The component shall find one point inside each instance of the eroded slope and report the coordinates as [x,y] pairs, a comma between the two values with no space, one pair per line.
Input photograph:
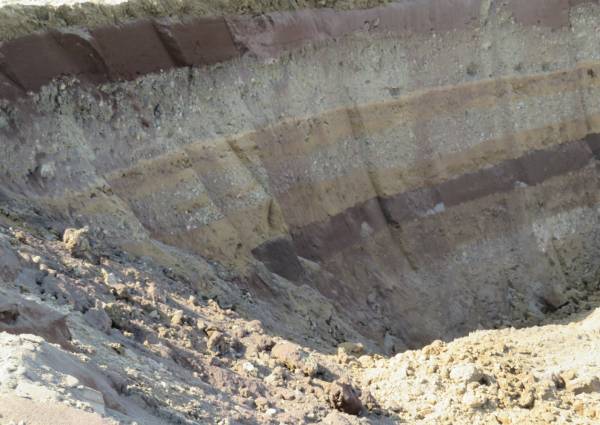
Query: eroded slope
[390,176]
[426,173]
[89,335]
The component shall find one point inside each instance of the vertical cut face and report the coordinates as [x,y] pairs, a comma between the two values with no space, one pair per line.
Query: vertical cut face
[424,168]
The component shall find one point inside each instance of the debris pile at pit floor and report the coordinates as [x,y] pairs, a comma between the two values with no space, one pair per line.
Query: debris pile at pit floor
[139,346]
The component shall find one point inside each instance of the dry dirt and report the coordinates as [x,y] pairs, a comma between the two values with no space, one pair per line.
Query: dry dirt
[150,351]
[253,241]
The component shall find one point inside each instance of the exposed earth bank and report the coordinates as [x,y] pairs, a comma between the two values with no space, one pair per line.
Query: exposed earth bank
[122,341]
[216,216]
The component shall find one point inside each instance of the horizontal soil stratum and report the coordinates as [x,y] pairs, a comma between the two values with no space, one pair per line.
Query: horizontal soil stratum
[284,212]
[18,18]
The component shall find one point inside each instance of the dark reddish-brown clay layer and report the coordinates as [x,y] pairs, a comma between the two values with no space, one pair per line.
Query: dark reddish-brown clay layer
[319,240]
[127,51]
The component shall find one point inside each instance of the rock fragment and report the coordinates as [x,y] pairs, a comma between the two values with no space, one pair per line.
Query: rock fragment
[473,400]
[261,403]
[288,354]
[119,314]
[352,348]
[21,316]
[584,385]
[97,318]
[344,398]
[293,358]
[465,373]
[110,279]
[78,244]
[177,318]
[155,293]
[310,366]
[258,343]
[277,376]
[117,347]
[122,293]
[527,399]
[217,343]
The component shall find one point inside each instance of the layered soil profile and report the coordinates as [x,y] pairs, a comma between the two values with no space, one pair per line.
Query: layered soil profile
[425,167]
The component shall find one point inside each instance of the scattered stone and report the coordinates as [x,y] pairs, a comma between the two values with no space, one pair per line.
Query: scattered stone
[109,278]
[21,316]
[503,418]
[78,244]
[554,298]
[589,384]
[119,315]
[546,390]
[352,348]
[238,332]
[366,361]
[155,293]
[370,402]
[559,382]
[343,398]
[261,403]
[473,400]
[253,327]
[47,170]
[527,399]
[97,318]
[121,292]
[466,373]
[248,367]
[258,343]
[435,348]
[568,375]
[310,366]
[177,318]
[20,236]
[217,343]
[201,325]
[288,354]
[237,346]
[276,377]
[117,347]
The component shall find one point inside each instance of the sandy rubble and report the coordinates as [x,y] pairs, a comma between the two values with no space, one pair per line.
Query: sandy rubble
[148,351]
[536,375]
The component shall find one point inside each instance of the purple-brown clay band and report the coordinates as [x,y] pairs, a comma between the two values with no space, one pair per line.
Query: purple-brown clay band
[317,241]
[131,50]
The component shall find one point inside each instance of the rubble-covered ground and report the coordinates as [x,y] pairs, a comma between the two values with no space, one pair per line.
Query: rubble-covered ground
[91,335]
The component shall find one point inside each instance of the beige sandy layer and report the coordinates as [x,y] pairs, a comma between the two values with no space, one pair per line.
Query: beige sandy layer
[38,412]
